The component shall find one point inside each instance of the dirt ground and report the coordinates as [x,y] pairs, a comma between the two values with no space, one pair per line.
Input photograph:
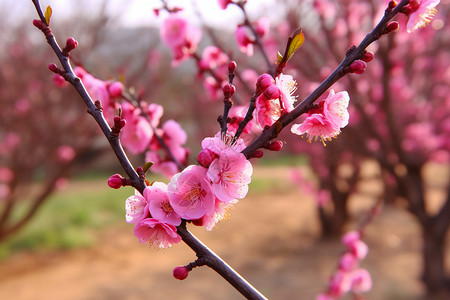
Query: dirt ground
[271,239]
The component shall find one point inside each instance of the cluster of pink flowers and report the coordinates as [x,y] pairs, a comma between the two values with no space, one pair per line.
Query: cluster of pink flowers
[276,98]
[213,60]
[325,121]
[180,36]
[349,276]
[138,135]
[200,193]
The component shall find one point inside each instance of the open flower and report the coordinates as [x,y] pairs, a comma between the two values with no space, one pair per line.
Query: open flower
[422,11]
[159,206]
[136,208]
[190,193]
[230,175]
[325,121]
[156,233]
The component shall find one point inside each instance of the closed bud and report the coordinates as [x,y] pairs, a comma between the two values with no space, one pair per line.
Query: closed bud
[358,67]
[232,66]
[180,273]
[115,181]
[54,68]
[390,27]
[257,154]
[392,4]
[228,90]
[205,158]
[71,44]
[264,81]
[273,146]
[39,24]
[272,92]
[368,56]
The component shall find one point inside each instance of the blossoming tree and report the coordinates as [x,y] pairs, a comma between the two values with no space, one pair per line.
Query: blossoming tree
[202,194]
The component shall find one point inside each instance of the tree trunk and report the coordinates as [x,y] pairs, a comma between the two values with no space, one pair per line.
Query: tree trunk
[434,276]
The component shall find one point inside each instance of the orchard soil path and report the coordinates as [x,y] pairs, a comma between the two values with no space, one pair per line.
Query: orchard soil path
[271,239]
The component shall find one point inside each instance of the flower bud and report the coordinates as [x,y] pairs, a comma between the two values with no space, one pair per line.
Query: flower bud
[263,81]
[228,90]
[272,92]
[115,89]
[390,27]
[368,56]
[358,67]
[54,68]
[180,273]
[232,66]
[71,44]
[39,24]
[115,181]
[392,4]
[257,154]
[205,158]
[273,145]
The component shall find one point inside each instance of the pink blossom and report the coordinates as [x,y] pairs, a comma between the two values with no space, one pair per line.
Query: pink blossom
[137,133]
[165,167]
[267,111]
[244,39]
[287,86]
[180,36]
[190,193]
[361,281]
[262,26]
[155,112]
[217,145]
[230,175]
[160,207]
[173,133]
[316,126]
[236,115]
[335,108]
[213,58]
[422,11]
[59,81]
[156,233]
[136,208]
[220,213]
[98,90]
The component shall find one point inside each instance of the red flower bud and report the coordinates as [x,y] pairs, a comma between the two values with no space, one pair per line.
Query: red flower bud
[368,56]
[71,44]
[54,68]
[272,92]
[205,158]
[264,81]
[358,67]
[257,154]
[274,145]
[180,273]
[228,90]
[232,66]
[39,24]
[115,181]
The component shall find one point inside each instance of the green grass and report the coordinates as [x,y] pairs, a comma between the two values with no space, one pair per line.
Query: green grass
[70,218]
